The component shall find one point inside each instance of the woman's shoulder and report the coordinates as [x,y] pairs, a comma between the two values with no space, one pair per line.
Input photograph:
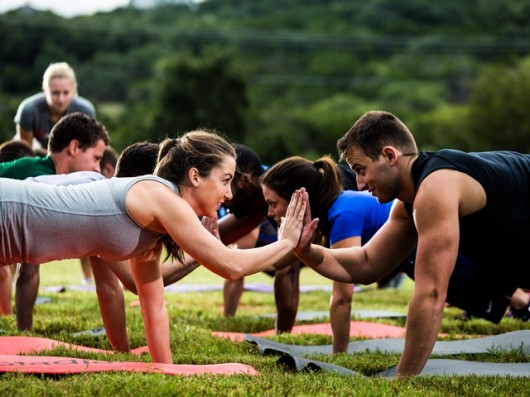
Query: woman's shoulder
[150,181]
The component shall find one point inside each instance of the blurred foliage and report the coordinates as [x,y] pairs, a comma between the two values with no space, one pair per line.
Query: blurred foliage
[286,77]
[498,108]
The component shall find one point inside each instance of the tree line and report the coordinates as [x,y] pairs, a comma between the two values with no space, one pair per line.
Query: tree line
[286,77]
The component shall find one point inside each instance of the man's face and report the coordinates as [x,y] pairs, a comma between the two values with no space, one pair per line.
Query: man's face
[59,94]
[88,159]
[377,177]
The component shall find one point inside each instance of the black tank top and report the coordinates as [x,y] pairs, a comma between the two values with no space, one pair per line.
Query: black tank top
[499,234]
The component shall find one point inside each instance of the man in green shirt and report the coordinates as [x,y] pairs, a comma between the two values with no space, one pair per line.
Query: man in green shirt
[77,143]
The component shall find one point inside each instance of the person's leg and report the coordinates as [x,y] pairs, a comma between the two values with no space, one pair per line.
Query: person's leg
[87,271]
[340,315]
[27,288]
[111,303]
[286,296]
[6,290]
[232,291]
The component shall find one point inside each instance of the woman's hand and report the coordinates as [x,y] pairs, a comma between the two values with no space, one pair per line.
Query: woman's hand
[309,229]
[293,222]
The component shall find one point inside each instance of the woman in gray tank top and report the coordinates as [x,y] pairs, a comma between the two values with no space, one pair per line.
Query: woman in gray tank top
[135,218]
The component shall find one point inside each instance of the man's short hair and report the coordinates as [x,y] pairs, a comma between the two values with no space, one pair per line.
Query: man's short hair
[137,159]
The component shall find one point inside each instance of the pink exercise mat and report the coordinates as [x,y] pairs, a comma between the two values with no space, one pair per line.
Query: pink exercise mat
[11,361]
[357,328]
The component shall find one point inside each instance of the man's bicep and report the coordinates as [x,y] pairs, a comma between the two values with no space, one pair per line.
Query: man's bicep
[437,222]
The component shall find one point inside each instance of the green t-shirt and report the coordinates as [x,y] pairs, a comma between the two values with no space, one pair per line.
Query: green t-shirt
[26,167]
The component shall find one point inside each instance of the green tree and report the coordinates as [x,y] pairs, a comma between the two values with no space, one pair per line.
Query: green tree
[498,108]
[8,109]
[444,127]
[206,91]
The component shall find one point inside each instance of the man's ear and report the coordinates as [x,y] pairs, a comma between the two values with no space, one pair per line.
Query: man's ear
[389,154]
[193,175]
[73,147]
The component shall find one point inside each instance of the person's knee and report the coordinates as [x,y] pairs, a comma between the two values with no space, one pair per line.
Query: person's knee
[28,272]
[343,300]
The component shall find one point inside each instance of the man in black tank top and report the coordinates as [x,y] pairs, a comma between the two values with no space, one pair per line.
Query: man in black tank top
[467,215]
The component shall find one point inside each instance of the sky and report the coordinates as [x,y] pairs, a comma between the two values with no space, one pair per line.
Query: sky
[65,8]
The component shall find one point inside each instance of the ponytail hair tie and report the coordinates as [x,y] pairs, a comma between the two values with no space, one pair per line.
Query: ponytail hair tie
[318,166]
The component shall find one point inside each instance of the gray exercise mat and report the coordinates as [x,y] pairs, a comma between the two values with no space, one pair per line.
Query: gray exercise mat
[42,299]
[461,368]
[302,364]
[269,288]
[358,314]
[503,342]
[100,331]
[442,367]
[192,288]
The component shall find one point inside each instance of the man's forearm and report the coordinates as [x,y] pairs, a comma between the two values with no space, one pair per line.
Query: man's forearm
[423,323]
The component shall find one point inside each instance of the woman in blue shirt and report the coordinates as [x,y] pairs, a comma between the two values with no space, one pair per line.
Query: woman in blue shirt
[347,218]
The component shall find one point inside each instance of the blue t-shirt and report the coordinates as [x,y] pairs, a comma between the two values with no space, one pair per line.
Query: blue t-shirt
[356,214]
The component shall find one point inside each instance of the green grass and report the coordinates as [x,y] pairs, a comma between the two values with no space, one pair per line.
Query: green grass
[193,317]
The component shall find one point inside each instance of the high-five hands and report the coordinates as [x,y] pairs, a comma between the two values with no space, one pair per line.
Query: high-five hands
[293,222]
[310,226]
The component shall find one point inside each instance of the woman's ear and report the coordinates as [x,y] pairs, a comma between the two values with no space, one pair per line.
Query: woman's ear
[193,175]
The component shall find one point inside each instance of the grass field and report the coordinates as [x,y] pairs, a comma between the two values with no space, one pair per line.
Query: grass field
[194,315]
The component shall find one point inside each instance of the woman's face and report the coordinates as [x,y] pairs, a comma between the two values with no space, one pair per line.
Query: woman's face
[59,94]
[277,206]
[211,192]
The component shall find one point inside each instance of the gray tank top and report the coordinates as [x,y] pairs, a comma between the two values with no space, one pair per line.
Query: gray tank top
[40,223]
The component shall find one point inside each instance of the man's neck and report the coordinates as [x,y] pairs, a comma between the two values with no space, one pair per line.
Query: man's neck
[59,160]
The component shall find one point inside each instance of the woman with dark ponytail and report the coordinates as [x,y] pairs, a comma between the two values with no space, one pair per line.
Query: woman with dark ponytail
[347,218]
